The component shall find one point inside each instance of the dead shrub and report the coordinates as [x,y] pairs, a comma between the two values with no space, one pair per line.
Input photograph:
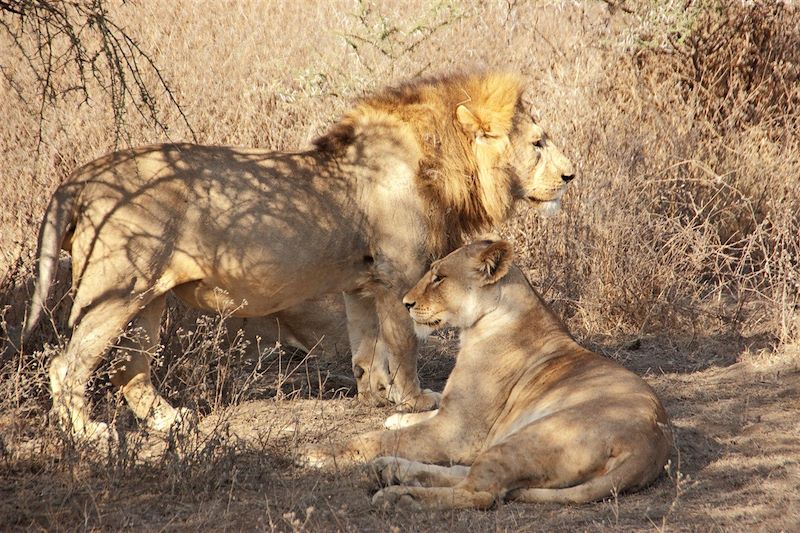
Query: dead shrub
[686,219]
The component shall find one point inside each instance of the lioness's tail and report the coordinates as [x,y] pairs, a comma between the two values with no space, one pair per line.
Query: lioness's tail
[58,220]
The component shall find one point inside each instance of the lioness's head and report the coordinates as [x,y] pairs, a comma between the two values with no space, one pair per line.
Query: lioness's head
[460,288]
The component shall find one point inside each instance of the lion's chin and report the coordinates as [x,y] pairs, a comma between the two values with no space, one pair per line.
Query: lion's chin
[547,208]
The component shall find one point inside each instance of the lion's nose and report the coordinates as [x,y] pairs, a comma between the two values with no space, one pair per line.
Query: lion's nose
[409,305]
[568,177]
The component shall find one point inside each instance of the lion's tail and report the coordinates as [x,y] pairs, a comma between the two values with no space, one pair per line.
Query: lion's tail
[59,219]
[625,474]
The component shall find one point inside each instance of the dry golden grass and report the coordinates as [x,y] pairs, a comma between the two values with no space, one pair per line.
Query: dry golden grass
[677,252]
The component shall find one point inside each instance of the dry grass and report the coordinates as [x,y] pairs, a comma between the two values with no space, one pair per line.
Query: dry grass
[677,252]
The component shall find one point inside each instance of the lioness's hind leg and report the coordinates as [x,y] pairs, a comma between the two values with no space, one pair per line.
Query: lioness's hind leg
[432,498]
[399,471]
[403,420]
[130,369]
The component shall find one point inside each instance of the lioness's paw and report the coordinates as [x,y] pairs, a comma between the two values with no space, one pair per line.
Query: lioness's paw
[395,497]
[390,470]
[396,421]
[427,400]
[404,420]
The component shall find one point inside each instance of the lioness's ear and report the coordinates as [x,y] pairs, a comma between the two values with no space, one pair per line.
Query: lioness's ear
[495,260]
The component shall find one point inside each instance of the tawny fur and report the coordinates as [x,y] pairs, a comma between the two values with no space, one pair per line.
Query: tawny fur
[526,414]
[402,178]
[448,168]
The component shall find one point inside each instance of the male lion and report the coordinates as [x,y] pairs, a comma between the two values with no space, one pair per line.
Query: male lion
[402,178]
[526,414]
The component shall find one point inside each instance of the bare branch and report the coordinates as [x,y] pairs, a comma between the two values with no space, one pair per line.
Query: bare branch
[78,37]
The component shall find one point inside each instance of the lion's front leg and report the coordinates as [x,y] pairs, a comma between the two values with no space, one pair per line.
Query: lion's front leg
[370,361]
[384,350]
[397,337]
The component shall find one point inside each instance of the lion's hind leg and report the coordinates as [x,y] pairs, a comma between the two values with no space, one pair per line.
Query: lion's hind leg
[560,458]
[99,325]
[420,485]
[130,370]
[493,472]
[628,465]
[398,471]
[487,480]
[594,489]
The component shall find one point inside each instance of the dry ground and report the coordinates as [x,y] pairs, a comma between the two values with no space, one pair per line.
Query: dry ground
[677,253]
[734,467]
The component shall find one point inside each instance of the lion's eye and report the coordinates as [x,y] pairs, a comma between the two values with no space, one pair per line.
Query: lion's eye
[436,279]
[539,143]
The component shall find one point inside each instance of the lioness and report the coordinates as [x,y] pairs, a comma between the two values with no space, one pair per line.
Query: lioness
[526,414]
[402,178]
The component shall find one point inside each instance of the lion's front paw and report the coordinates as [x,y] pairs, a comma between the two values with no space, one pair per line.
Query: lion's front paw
[373,399]
[391,470]
[96,433]
[167,418]
[426,400]
[396,497]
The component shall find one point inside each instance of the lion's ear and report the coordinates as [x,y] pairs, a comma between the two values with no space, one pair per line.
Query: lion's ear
[476,128]
[495,261]
[468,121]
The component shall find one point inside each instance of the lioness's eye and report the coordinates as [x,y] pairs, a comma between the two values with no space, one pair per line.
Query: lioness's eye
[539,143]
[436,279]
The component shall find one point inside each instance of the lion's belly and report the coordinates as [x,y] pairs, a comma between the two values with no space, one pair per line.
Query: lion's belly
[265,288]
